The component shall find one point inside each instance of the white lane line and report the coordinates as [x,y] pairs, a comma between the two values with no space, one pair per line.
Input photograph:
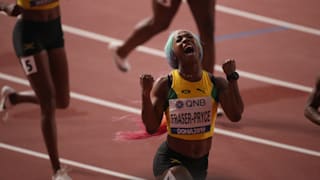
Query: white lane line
[275,81]
[69,162]
[264,19]
[160,53]
[137,111]
[102,38]
[105,103]
[267,142]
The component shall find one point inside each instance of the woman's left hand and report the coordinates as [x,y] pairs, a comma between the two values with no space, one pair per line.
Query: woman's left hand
[229,66]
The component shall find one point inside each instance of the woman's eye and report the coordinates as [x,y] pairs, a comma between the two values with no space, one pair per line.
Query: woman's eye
[189,36]
[178,39]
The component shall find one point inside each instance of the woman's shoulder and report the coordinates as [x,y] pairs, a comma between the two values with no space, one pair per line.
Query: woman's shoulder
[164,80]
[218,81]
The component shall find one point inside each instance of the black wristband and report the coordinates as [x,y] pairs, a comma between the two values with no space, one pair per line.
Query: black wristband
[233,76]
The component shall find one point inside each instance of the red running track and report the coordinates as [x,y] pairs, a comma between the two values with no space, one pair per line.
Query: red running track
[276,45]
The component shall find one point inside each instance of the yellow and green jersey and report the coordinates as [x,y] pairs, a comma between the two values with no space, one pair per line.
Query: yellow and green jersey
[192,107]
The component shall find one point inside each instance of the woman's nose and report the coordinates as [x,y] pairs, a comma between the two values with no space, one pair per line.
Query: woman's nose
[185,39]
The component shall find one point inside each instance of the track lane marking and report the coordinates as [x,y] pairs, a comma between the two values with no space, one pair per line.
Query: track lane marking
[160,53]
[69,162]
[268,20]
[228,10]
[117,106]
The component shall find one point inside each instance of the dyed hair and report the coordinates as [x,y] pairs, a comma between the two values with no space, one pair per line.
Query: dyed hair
[168,49]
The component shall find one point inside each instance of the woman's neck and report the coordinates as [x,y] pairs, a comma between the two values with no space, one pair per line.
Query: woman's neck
[191,74]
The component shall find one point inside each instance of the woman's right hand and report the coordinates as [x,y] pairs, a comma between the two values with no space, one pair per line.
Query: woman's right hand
[146,83]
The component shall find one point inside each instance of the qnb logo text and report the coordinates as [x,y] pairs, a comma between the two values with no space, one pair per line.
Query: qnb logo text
[191,103]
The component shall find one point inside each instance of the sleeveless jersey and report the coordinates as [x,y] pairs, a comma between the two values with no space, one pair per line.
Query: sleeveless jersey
[192,107]
[38,4]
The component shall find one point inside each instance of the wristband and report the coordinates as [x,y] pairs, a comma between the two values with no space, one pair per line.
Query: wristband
[233,76]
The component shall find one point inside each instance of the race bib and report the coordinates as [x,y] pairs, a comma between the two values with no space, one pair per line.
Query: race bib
[190,116]
[28,65]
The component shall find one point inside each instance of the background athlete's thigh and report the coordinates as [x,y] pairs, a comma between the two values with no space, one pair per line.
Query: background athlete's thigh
[164,13]
[36,68]
[60,76]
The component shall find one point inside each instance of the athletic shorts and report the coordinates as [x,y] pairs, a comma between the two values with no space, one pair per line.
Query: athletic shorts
[31,37]
[166,158]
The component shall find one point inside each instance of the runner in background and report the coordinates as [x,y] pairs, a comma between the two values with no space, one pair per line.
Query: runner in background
[163,13]
[311,110]
[39,45]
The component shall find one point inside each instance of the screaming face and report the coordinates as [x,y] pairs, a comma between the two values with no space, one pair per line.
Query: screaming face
[188,50]
[185,44]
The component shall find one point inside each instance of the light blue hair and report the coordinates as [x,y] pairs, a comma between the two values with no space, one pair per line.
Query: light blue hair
[168,49]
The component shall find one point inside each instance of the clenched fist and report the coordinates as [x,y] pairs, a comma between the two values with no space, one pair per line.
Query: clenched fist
[146,83]
[229,66]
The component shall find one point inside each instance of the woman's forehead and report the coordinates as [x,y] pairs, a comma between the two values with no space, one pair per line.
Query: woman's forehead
[182,32]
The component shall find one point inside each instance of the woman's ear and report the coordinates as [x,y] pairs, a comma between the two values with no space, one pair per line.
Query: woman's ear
[174,61]
[175,57]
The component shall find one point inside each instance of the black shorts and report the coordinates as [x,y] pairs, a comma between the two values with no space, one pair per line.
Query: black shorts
[166,158]
[31,37]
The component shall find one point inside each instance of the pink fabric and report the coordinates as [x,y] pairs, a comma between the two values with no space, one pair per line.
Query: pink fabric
[142,133]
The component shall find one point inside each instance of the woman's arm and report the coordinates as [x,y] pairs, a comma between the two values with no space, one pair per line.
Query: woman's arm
[153,101]
[229,94]
[311,109]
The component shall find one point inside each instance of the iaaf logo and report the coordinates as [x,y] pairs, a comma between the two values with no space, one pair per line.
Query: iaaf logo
[190,103]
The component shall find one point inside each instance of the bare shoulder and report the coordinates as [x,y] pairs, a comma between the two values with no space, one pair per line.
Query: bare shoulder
[220,82]
[161,86]
[162,81]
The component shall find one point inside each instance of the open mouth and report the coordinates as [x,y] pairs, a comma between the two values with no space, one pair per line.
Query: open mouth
[188,50]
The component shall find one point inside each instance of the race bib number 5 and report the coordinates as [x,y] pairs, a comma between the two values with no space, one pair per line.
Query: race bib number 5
[28,65]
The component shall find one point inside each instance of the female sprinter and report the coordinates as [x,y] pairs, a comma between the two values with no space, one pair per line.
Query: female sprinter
[189,97]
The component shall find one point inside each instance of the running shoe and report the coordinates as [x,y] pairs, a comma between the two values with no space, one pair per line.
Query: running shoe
[122,63]
[220,112]
[5,103]
[61,174]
